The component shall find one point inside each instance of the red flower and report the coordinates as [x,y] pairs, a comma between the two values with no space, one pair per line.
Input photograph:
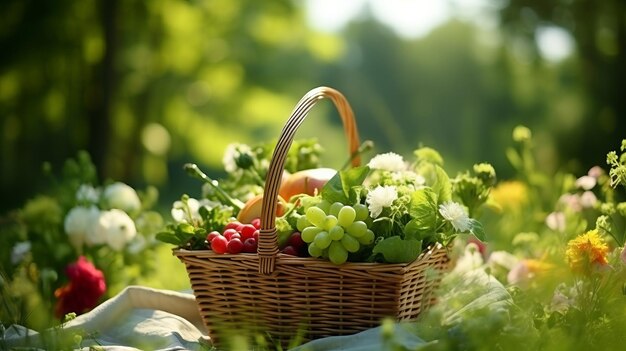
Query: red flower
[81,294]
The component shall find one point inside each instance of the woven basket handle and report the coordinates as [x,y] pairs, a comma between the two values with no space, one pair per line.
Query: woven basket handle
[268,238]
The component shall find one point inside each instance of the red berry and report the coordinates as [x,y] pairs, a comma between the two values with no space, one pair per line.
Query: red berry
[256,223]
[256,235]
[249,245]
[289,250]
[235,246]
[212,235]
[247,231]
[218,244]
[235,236]
[229,232]
[240,227]
[232,225]
[296,241]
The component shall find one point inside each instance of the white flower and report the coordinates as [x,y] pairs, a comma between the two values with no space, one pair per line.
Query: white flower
[560,302]
[457,215]
[115,228]
[121,196]
[470,260]
[19,251]
[87,193]
[136,245]
[381,196]
[79,223]
[178,210]
[387,162]
[408,177]
[419,180]
[232,153]
[503,259]
[180,215]
[556,221]
[586,182]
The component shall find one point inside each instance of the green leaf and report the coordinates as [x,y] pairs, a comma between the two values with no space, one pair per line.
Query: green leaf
[168,237]
[470,294]
[514,158]
[442,186]
[397,250]
[423,210]
[478,230]
[412,230]
[337,189]
[186,228]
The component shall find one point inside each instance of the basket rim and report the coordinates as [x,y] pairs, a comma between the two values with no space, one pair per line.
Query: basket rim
[289,259]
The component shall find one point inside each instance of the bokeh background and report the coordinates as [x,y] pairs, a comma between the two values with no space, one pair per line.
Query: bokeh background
[146,86]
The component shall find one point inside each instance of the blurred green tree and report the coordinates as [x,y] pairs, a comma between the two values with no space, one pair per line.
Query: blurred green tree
[599,31]
[141,84]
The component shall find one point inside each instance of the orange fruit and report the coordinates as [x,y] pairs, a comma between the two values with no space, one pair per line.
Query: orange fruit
[253,207]
[308,181]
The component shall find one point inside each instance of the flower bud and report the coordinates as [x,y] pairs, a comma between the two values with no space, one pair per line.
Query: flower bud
[486,173]
[521,134]
[244,160]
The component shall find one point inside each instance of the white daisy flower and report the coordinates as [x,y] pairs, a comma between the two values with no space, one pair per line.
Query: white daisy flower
[116,228]
[121,196]
[457,215]
[387,162]
[78,224]
[380,197]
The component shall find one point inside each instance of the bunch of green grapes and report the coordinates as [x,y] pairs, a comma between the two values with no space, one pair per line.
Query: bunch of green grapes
[332,231]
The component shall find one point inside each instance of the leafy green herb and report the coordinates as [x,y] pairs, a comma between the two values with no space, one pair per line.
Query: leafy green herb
[397,250]
[340,187]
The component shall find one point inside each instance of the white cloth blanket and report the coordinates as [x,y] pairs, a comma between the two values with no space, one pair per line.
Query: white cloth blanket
[141,318]
[138,318]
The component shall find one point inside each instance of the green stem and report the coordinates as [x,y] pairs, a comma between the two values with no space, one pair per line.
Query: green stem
[256,176]
[619,242]
[366,146]
[193,170]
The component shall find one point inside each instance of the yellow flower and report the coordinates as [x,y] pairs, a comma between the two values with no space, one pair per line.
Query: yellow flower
[586,250]
[510,195]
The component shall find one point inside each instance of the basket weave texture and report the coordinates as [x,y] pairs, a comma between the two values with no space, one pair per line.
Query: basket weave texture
[281,295]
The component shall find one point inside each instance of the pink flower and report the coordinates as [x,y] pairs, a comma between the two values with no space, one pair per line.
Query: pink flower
[85,288]
[586,182]
[526,270]
[588,199]
[595,171]
[571,201]
[556,221]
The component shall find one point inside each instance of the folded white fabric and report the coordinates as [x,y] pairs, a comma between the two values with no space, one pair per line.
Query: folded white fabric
[138,318]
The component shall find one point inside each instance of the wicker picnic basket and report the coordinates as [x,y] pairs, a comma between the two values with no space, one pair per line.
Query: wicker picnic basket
[281,295]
